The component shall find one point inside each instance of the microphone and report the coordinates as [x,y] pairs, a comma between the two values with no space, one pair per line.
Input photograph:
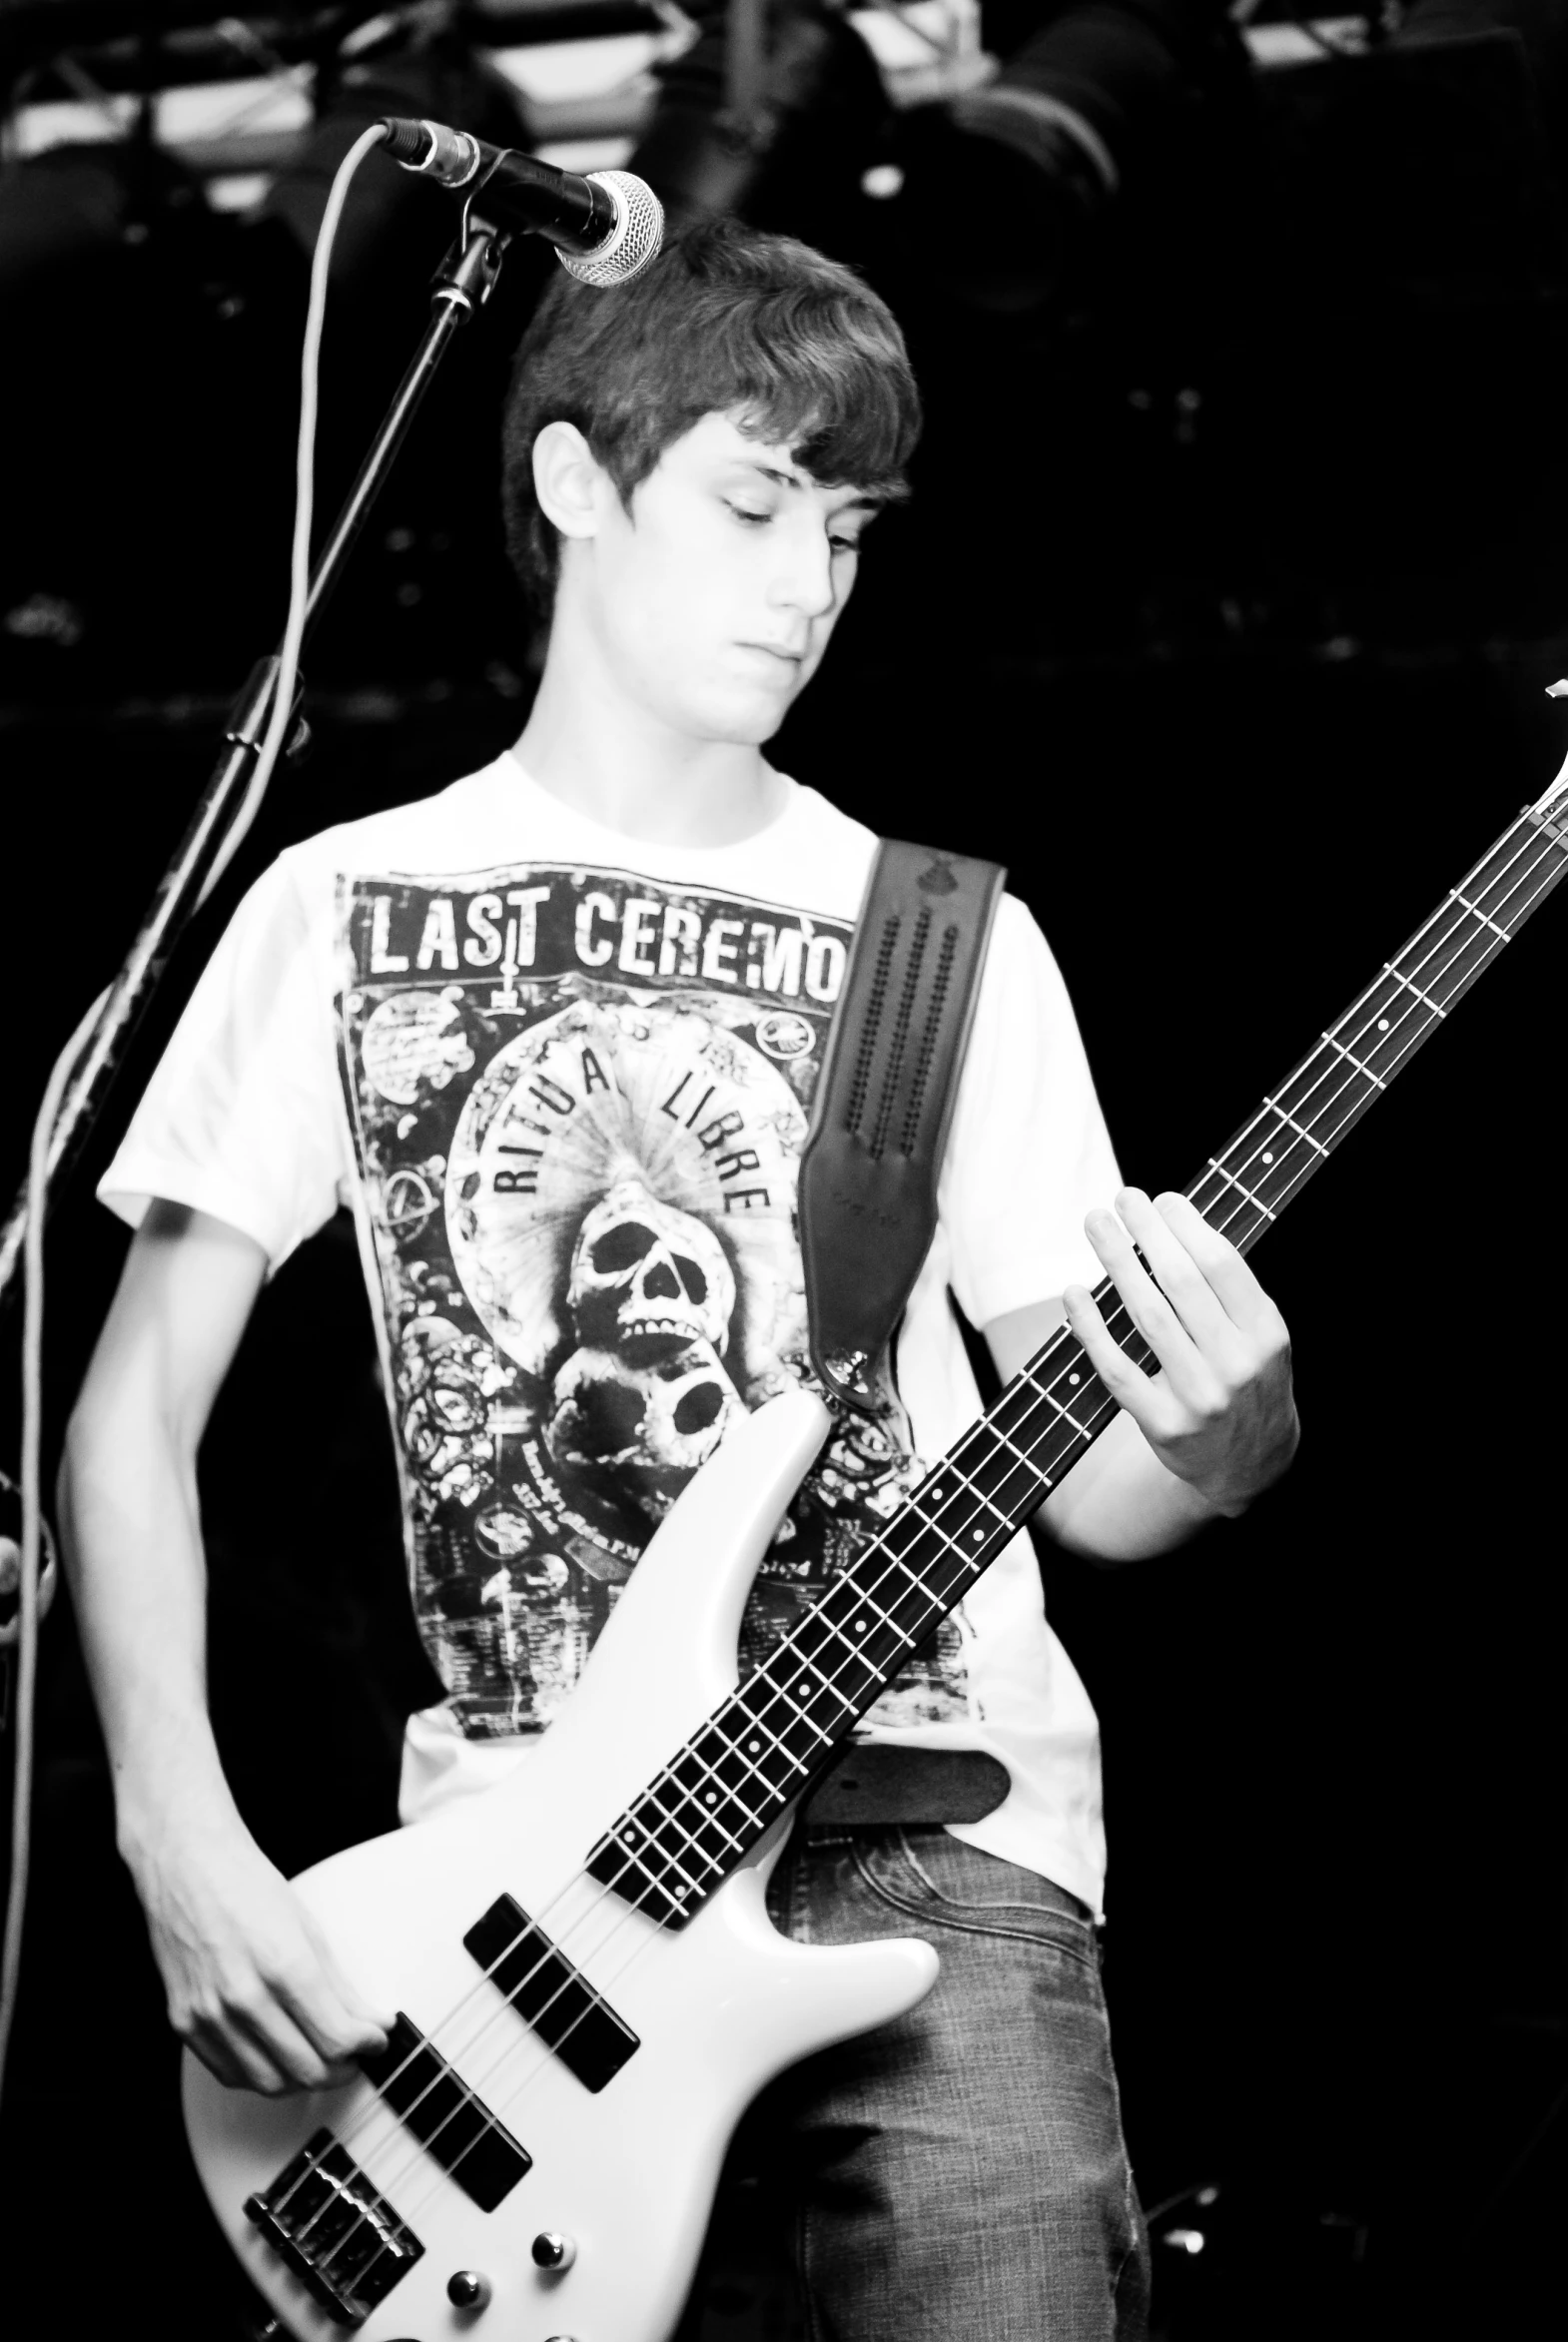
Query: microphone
[605,228]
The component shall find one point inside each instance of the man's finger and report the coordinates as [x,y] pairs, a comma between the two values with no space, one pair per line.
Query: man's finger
[219,2060]
[1153,1314]
[239,2059]
[1176,1268]
[372,2025]
[334,2032]
[1245,1300]
[297,2058]
[1127,1384]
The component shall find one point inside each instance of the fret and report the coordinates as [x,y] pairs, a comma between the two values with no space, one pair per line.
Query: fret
[1025,1375]
[983,1498]
[860,1599]
[1354,1060]
[635,1840]
[866,1578]
[731,1755]
[1339,1114]
[1332,1087]
[981,1467]
[1005,1477]
[1456,897]
[1299,1104]
[1033,1469]
[900,1565]
[829,1683]
[860,1668]
[756,1725]
[1231,1181]
[678,1841]
[1456,958]
[869,1645]
[1291,1124]
[817,1633]
[798,1713]
[944,1499]
[1425,997]
[691,1761]
[707,1827]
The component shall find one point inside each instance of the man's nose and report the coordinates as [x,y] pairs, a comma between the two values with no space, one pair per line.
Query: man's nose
[804,580]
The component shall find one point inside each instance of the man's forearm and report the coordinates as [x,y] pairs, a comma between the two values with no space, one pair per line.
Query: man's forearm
[252,1986]
[133,1555]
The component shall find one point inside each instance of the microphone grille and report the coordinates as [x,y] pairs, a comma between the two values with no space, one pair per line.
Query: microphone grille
[637,235]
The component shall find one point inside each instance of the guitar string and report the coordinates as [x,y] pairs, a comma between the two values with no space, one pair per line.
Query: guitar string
[1390,969]
[949,1466]
[829,1681]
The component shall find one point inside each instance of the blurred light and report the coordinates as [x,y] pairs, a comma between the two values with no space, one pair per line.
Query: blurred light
[881,181]
[1185,2239]
[1207,2196]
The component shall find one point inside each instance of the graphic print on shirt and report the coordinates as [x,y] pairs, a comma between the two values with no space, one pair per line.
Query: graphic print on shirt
[578,1102]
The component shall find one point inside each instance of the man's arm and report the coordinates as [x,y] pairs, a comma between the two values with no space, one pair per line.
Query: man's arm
[251,1986]
[1216,1426]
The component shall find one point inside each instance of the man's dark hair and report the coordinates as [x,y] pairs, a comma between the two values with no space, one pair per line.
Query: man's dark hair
[726,320]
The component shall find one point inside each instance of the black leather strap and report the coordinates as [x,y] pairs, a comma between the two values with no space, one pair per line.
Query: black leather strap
[868,1176]
[876,1783]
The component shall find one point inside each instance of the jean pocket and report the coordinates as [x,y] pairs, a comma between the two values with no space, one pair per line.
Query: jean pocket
[939,1882]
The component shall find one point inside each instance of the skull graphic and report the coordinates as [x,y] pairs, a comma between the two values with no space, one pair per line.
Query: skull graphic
[643,1272]
[644,1399]
[652,1424]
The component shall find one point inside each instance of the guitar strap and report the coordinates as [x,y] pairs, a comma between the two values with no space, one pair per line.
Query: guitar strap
[884,1101]
[868,1211]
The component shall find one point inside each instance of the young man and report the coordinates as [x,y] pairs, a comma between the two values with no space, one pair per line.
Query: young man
[553,1035]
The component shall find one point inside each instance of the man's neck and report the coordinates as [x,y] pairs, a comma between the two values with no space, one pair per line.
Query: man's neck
[607,760]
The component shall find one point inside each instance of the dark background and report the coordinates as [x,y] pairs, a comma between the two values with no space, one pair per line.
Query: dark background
[1223,614]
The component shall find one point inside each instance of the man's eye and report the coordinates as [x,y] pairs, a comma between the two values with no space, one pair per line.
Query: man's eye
[845,545]
[745,512]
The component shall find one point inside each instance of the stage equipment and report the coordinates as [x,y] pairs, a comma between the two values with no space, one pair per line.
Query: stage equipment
[605,228]
[772,114]
[1081,104]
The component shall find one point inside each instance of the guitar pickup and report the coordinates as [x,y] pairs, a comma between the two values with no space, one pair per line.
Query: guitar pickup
[552,1996]
[335,2229]
[430,2098]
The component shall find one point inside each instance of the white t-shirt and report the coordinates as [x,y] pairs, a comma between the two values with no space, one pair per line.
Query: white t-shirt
[562,1079]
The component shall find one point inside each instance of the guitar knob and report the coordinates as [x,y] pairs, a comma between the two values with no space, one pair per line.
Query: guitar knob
[551,2250]
[469,2289]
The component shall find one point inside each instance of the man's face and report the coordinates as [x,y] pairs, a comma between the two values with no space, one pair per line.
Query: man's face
[715,596]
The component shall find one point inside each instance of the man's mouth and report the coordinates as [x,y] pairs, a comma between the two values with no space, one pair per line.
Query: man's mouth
[777,650]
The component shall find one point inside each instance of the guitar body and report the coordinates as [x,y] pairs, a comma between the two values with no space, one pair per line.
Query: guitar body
[625,2172]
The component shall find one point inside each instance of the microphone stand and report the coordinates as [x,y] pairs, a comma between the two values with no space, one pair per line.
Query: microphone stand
[463,283]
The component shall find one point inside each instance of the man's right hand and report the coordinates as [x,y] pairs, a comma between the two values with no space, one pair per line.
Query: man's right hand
[252,1985]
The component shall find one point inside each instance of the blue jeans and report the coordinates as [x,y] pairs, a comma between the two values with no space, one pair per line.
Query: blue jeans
[961,2171]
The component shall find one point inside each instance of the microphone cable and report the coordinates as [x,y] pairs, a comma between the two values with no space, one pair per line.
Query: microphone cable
[35,1587]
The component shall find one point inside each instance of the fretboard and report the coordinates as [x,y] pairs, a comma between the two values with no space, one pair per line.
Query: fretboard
[763,1747]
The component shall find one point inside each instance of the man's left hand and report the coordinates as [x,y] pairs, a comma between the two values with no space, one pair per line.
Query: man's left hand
[1220,1413]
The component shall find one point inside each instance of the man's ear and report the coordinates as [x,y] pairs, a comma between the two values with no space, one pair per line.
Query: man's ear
[567,479]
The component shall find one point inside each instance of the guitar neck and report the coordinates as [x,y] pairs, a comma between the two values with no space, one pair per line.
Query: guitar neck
[760,1749]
